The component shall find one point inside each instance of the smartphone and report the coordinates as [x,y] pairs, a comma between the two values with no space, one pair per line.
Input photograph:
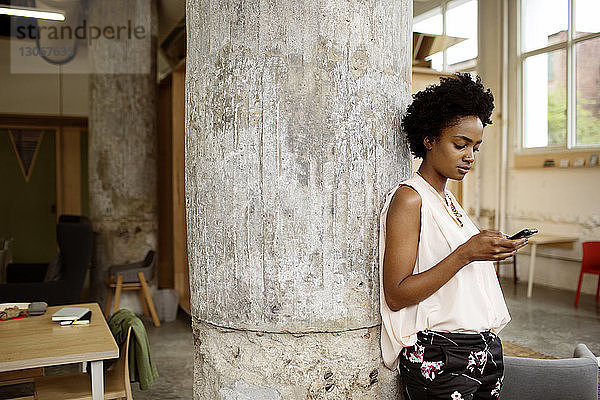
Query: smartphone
[525,233]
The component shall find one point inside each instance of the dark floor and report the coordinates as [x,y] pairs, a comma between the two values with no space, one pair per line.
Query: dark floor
[172,352]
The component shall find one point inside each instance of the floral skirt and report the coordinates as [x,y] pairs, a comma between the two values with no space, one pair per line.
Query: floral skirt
[452,366]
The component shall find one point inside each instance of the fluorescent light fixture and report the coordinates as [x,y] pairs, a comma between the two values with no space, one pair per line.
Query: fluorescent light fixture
[55,15]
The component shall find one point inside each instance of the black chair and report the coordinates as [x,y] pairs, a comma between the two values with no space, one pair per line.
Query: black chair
[75,241]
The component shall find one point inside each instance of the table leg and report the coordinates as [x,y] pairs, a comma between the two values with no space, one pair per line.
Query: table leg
[97,380]
[515,270]
[531,269]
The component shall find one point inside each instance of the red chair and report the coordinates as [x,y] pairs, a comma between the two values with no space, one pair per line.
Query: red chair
[590,264]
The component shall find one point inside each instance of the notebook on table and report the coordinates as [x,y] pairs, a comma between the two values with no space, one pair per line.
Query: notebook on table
[69,313]
[85,320]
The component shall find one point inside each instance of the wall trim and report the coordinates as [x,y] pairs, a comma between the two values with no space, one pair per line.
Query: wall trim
[42,121]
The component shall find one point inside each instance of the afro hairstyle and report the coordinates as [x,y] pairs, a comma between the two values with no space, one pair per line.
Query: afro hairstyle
[441,106]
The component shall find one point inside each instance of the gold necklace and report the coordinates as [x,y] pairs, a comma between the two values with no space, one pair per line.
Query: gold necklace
[457,215]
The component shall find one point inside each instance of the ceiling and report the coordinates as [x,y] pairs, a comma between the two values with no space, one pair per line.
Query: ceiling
[421,6]
[170,14]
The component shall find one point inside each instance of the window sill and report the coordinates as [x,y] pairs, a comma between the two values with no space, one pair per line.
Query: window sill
[537,159]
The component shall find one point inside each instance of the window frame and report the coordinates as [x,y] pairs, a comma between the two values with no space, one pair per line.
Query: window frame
[571,80]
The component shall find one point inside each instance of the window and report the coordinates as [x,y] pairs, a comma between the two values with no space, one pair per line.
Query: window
[560,72]
[457,18]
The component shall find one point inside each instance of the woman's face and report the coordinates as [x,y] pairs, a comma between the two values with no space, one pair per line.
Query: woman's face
[452,154]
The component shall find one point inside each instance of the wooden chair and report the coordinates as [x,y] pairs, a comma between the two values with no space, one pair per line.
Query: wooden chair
[590,264]
[79,387]
[133,277]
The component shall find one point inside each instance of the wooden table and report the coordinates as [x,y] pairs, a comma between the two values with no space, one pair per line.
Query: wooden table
[39,342]
[545,240]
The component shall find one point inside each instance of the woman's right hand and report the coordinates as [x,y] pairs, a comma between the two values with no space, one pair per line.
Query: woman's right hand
[490,246]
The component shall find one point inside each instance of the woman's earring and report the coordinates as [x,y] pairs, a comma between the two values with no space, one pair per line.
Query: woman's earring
[427,144]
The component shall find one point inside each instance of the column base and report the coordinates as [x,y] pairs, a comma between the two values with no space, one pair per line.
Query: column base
[234,364]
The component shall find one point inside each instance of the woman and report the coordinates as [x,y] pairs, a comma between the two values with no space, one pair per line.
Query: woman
[441,302]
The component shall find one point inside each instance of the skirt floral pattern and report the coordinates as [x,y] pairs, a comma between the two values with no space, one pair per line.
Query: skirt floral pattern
[452,366]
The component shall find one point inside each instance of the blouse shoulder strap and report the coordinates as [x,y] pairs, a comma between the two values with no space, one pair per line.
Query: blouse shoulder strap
[414,183]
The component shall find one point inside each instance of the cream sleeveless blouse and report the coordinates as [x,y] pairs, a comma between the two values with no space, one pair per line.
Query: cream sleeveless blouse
[470,302]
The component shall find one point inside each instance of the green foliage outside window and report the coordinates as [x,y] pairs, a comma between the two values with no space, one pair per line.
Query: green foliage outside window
[588,125]
[557,116]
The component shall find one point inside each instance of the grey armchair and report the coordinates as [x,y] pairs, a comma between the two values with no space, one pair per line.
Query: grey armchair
[569,378]
[130,271]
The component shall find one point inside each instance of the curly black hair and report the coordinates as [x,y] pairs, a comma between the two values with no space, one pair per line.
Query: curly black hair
[441,106]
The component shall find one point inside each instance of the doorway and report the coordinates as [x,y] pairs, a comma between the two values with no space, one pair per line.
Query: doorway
[28,198]
[43,174]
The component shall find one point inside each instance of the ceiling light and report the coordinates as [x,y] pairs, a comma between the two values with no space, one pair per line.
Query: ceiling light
[55,15]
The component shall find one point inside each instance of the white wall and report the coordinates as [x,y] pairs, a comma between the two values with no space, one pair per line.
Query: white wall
[556,201]
[39,93]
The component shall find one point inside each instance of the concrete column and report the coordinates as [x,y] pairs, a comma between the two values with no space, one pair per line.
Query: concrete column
[292,140]
[122,138]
